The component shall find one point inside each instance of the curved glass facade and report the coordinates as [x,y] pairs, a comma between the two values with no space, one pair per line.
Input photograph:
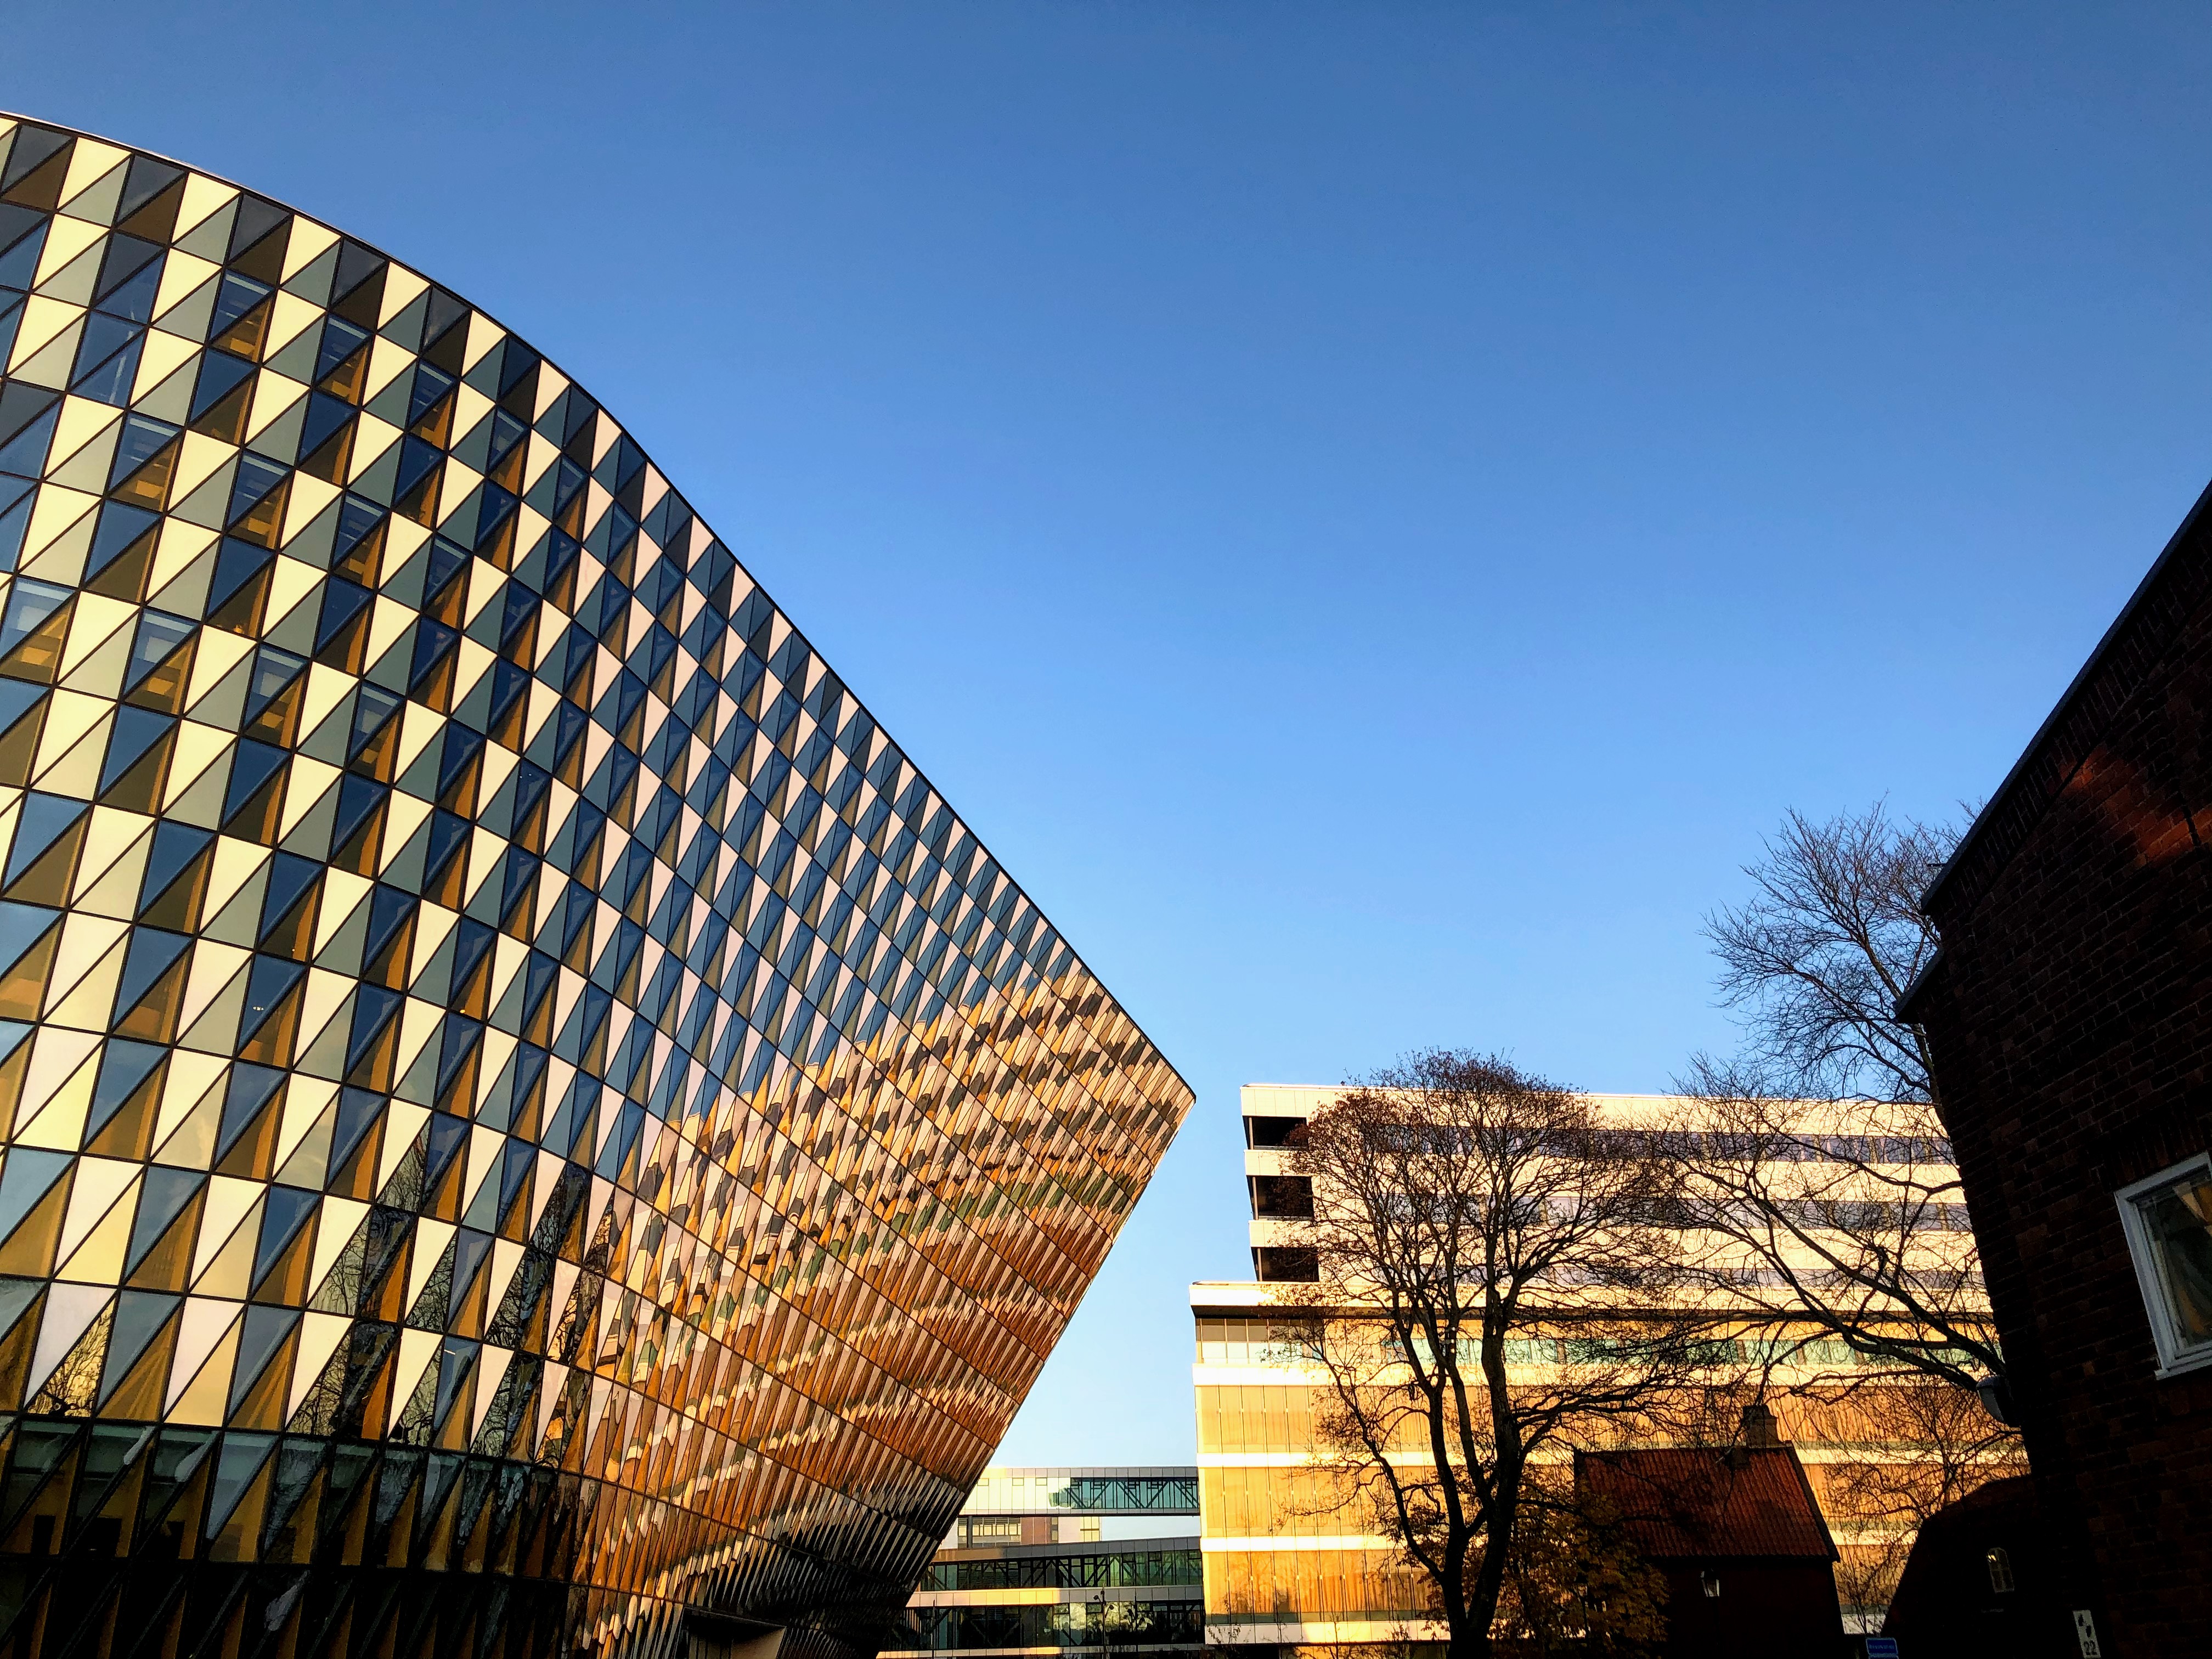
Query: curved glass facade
[529,1125]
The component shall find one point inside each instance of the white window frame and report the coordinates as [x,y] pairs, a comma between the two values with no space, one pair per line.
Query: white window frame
[2173,1358]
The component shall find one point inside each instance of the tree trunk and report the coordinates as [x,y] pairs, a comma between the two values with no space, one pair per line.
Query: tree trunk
[1504,1513]
[1490,1578]
[1461,1631]
[1465,1637]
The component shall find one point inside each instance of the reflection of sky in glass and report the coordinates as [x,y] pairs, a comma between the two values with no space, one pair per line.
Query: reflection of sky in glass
[2181,1221]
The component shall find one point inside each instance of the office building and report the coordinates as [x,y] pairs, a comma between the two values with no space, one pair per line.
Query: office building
[1049,1561]
[530,1127]
[2067,1013]
[1285,1569]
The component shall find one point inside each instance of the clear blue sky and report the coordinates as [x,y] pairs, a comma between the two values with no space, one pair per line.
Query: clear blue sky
[1371,510]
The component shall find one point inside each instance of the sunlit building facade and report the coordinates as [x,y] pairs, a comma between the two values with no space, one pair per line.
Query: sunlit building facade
[1050,1562]
[530,1127]
[1285,1569]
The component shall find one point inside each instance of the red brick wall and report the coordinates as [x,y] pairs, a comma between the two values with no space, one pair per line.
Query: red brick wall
[2070,1017]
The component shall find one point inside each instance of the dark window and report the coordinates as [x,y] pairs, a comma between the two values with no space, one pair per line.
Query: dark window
[1280,1264]
[1133,1566]
[1271,1131]
[1285,1197]
[1999,1562]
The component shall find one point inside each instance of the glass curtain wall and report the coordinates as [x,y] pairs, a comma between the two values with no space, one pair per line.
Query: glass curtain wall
[528,1120]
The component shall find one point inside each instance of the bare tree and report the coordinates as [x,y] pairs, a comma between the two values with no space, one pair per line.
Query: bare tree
[1922,1444]
[1815,961]
[1859,1238]
[1841,1229]
[1851,1222]
[1490,1286]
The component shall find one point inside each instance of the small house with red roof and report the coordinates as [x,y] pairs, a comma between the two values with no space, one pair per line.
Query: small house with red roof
[1749,1564]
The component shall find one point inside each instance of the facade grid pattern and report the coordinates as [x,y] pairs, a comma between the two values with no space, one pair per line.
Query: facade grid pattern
[523,1111]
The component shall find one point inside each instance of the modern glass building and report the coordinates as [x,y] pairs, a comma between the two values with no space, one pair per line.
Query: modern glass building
[1051,1562]
[529,1126]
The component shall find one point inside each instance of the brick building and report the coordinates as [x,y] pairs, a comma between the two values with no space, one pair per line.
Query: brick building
[1749,1564]
[1981,1581]
[2069,1013]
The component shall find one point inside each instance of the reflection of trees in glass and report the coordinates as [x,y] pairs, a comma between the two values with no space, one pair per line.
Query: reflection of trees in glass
[1128,1492]
[1061,1624]
[2180,1221]
[1107,1569]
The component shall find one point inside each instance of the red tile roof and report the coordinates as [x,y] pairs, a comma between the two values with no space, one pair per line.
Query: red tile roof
[1691,1501]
